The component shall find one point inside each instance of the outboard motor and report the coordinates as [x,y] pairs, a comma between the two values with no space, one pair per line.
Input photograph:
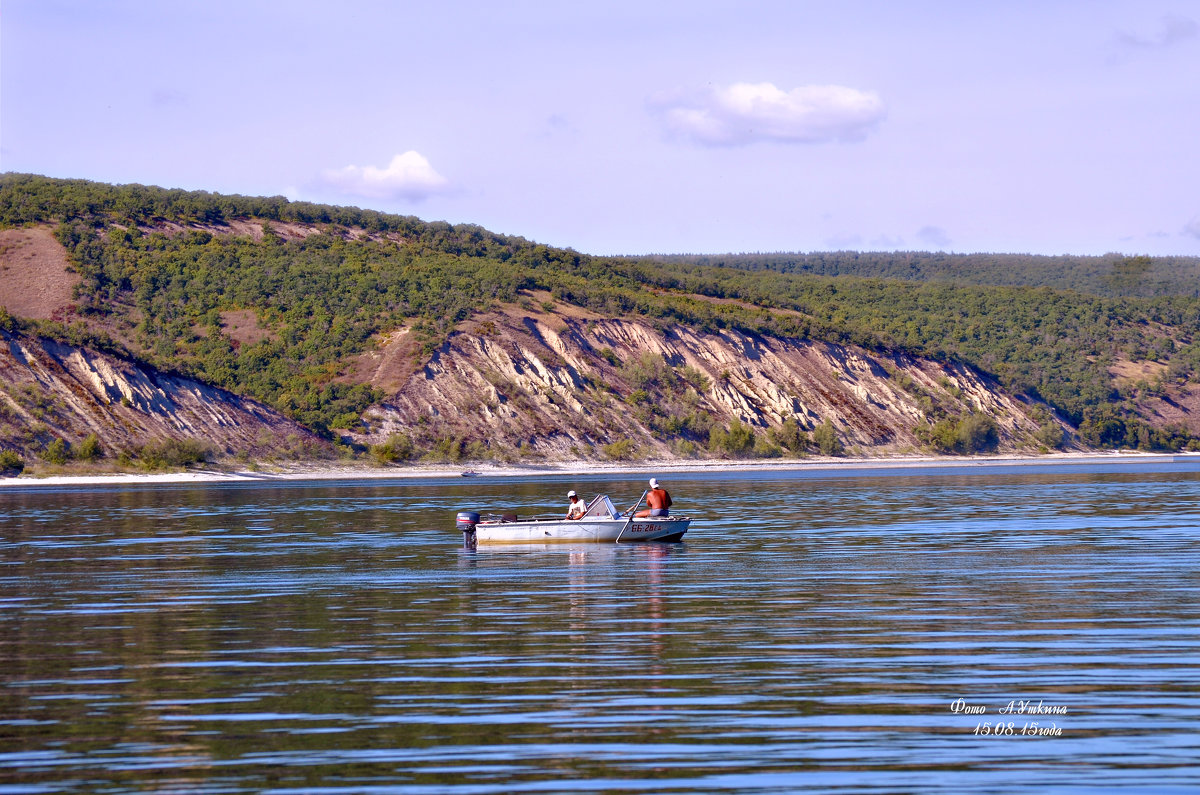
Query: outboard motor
[466,521]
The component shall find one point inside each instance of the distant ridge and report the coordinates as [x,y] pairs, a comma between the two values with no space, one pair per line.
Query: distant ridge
[1111,275]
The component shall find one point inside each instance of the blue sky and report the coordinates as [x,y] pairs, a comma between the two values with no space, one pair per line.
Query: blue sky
[640,127]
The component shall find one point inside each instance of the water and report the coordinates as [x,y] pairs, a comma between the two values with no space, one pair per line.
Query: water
[815,631]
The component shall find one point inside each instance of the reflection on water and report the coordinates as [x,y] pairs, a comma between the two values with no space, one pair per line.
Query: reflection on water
[813,631]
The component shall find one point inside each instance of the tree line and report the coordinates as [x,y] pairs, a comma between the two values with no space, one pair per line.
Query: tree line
[1112,275]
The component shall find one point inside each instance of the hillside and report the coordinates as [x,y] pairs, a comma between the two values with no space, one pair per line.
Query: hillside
[424,340]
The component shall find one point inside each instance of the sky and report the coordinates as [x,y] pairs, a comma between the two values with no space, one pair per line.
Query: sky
[614,127]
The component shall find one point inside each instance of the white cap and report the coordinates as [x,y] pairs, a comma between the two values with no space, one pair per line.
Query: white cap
[653,483]
[571,493]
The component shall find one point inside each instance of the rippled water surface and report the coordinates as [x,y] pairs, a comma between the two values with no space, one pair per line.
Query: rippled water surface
[815,631]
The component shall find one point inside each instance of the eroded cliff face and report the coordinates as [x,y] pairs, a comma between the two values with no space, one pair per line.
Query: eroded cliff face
[510,384]
[559,386]
[48,388]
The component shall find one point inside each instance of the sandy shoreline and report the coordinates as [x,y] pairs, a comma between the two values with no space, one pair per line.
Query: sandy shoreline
[589,468]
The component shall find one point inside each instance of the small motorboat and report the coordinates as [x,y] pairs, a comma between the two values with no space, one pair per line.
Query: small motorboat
[601,522]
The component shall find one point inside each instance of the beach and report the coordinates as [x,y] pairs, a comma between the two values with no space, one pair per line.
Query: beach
[557,469]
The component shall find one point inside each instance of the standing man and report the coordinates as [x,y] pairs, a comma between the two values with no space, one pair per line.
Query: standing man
[577,507]
[658,499]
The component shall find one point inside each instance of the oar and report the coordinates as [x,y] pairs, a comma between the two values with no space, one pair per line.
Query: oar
[630,520]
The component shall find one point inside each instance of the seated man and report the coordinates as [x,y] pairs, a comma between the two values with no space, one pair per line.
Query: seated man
[577,507]
[658,499]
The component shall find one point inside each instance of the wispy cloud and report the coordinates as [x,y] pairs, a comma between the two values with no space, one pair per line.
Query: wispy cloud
[745,113]
[934,236]
[1172,30]
[844,241]
[165,97]
[408,176]
[887,243]
[1192,228]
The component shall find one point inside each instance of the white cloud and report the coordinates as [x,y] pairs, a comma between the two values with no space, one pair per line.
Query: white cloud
[745,113]
[408,176]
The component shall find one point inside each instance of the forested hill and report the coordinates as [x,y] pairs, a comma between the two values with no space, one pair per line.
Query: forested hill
[305,307]
[1112,275]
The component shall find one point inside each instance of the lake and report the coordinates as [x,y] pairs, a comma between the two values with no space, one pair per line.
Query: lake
[998,628]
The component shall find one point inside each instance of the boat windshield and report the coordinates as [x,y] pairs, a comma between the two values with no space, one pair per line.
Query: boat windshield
[601,508]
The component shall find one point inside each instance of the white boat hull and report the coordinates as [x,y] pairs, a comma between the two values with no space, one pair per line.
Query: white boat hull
[598,530]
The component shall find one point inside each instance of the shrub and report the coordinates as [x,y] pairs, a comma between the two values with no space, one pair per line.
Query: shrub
[1102,428]
[738,441]
[89,448]
[647,369]
[717,439]
[448,448]
[398,447]
[477,450]
[1050,434]
[620,450]
[943,437]
[174,453]
[764,448]
[977,433]
[695,377]
[685,448]
[11,463]
[57,452]
[790,436]
[826,439]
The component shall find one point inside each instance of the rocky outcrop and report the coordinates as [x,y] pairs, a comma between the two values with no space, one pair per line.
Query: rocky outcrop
[49,389]
[555,386]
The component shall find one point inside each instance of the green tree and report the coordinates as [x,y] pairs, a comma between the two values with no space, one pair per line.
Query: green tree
[825,437]
[10,463]
[1101,427]
[57,452]
[398,447]
[790,436]
[620,450]
[943,437]
[737,441]
[89,449]
[174,454]
[1050,433]
[977,433]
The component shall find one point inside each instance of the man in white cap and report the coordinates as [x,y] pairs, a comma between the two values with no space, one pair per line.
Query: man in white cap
[658,499]
[577,507]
